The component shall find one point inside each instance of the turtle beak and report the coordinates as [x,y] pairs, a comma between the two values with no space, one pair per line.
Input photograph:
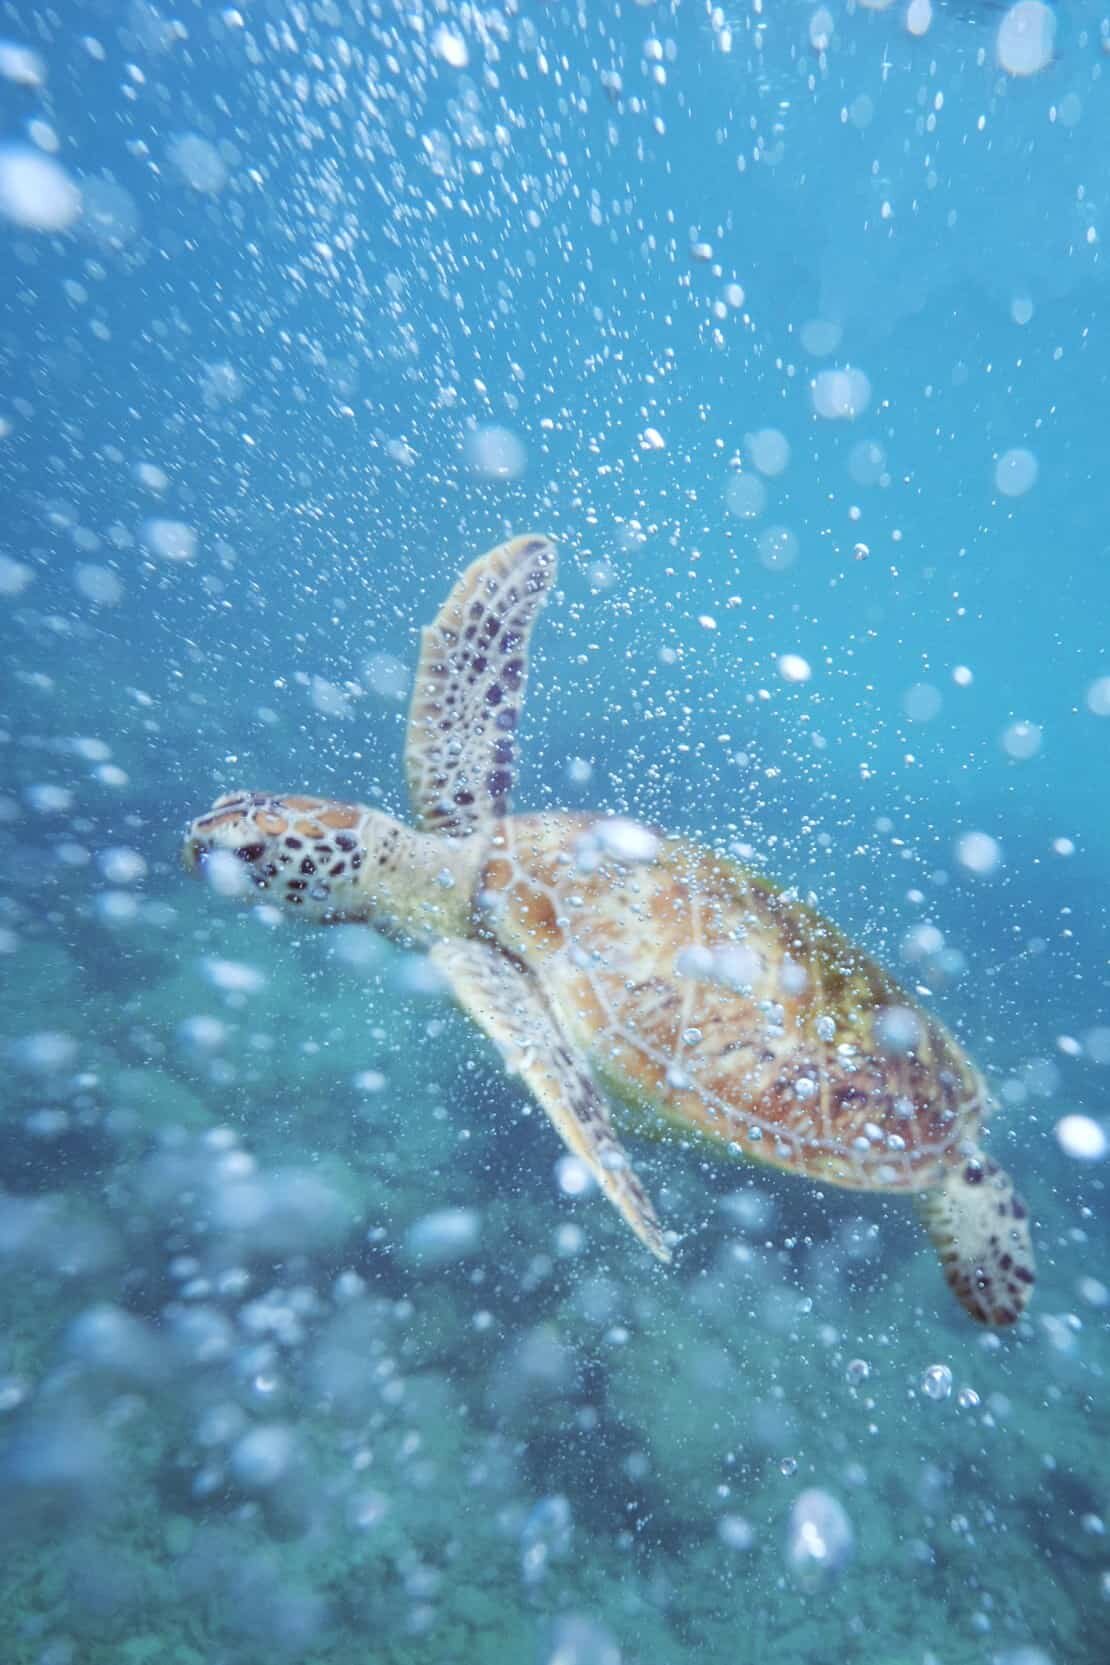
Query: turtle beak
[194,853]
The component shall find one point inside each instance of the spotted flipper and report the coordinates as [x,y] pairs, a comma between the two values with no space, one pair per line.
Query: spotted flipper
[980,1228]
[469,689]
[508,1003]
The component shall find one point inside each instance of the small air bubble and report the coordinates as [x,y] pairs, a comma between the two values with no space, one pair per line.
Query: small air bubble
[450,47]
[979,853]
[936,1383]
[1015,472]
[793,668]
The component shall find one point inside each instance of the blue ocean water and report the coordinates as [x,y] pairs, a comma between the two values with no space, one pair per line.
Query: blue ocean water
[788,322]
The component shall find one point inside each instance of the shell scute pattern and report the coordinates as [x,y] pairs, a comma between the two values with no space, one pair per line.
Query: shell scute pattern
[734,1010]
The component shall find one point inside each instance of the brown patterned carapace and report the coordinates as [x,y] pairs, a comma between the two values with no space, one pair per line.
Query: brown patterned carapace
[790,1064]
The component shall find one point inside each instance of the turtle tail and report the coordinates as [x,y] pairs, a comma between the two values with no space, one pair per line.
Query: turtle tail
[980,1228]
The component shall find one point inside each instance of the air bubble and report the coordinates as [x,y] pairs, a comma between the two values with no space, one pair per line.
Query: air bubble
[35,191]
[745,496]
[1098,696]
[1026,38]
[450,47]
[1081,1138]
[793,668]
[199,163]
[735,1532]
[979,853]
[1015,472]
[840,395]
[936,1383]
[769,450]
[778,548]
[495,453]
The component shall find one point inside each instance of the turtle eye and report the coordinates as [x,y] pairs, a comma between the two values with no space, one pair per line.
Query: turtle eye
[251,852]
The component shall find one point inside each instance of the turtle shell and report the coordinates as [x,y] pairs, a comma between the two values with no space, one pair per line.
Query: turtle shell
[744,1018]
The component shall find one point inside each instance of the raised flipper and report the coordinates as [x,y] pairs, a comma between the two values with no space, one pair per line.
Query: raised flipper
[509,1004]
[980,1228]
[469,689]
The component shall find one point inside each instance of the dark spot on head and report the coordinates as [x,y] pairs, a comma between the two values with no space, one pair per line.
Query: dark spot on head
[973,1174]
[494,695]
[292,843]
[499,782]
[308,865]
[1024,1274]
[344,841]
[1018,1209]
[337,867]
[251,852]
[356,861]
[506,717]
[295,884]
[463,799]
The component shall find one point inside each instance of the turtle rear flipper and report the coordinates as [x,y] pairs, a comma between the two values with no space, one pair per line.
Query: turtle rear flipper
[980,1229]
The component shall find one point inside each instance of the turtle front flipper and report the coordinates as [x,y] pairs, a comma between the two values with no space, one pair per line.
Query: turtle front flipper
[466,702]
[509,1004]
[980,1228]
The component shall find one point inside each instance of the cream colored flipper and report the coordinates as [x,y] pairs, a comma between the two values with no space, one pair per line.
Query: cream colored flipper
[509,1004]
[980,1229]
[469,688]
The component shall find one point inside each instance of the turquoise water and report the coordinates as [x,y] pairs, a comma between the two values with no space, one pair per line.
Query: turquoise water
[789,324]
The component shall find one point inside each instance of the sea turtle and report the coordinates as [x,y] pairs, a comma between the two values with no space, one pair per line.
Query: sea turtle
[604,958]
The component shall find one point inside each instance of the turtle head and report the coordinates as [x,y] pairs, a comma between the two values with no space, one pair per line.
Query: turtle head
[306,854]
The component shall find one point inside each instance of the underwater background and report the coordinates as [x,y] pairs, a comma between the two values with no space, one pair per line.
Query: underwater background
[791,324]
